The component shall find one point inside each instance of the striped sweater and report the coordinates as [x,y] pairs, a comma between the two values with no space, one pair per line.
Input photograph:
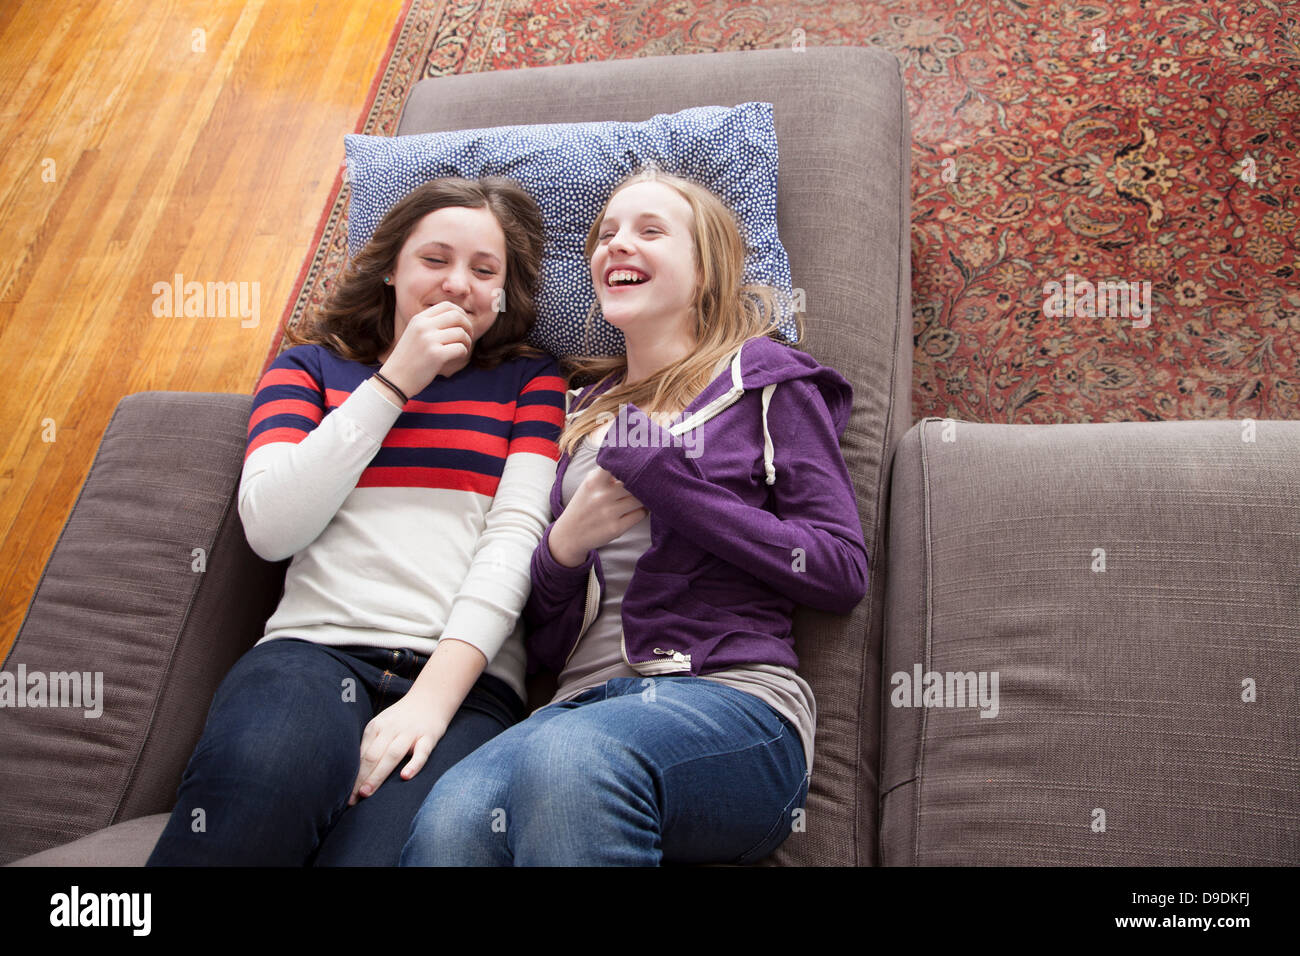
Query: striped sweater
[405,525]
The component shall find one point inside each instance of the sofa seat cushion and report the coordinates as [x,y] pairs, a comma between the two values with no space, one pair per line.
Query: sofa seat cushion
[1121,600]
[843,216]
[150,596]
[124,844]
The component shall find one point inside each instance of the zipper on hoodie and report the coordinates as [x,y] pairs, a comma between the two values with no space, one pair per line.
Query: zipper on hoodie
[680,662]
[590,610]
[677,656]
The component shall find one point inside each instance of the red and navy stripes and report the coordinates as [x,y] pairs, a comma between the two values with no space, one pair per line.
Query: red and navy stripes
[456,434]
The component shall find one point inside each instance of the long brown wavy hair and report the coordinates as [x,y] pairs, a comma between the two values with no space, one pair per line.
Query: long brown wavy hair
[727,313]
[356,319]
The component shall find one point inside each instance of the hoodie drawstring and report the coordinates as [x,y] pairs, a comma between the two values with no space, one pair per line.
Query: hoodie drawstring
[768,450]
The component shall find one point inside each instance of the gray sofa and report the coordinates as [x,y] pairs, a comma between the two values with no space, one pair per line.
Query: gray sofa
[1120,734]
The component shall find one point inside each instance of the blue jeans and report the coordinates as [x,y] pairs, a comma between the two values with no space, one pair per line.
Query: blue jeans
[635,772]
[269,781]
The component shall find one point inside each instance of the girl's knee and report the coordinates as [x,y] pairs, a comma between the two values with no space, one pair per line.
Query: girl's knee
[566,749]
[297,764]
[580,774]
[457,823]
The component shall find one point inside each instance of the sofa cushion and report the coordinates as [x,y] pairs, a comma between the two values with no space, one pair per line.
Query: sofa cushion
[152,590]
[1132,586]
[843,213]
[571,169]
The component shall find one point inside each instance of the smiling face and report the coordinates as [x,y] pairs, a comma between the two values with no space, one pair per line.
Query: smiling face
[455,254]
[643,262]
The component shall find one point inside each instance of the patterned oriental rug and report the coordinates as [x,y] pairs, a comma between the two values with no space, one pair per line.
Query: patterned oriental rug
[1141,142]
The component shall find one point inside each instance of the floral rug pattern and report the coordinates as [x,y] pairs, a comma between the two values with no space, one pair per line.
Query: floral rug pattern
[1141,156]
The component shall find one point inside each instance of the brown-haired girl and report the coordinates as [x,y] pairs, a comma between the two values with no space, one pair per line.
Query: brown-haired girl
[400,453]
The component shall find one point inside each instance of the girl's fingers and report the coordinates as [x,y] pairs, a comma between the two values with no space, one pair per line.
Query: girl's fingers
[626,521]
[423,747]
[459,322]
[383,768]
[625,506]
[377,762]
[625,503]
[356,784]
[367,741]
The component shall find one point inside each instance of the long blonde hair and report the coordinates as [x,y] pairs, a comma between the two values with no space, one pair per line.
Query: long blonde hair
[726,311]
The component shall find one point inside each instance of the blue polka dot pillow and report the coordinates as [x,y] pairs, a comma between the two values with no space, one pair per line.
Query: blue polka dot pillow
[571,169]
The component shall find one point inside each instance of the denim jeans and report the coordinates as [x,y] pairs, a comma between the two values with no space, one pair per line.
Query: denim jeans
[635,772]
[269,781]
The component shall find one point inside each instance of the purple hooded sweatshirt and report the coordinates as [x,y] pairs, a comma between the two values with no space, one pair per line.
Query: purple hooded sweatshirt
[752,511]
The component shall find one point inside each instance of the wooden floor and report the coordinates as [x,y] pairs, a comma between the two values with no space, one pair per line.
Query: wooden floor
[136,147]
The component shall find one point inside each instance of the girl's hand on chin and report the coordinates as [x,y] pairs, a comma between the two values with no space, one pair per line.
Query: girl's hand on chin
[600,511]
[434,339]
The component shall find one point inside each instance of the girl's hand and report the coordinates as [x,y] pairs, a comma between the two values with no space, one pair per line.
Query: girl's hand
[410,726]
[440,336]
[600,510]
